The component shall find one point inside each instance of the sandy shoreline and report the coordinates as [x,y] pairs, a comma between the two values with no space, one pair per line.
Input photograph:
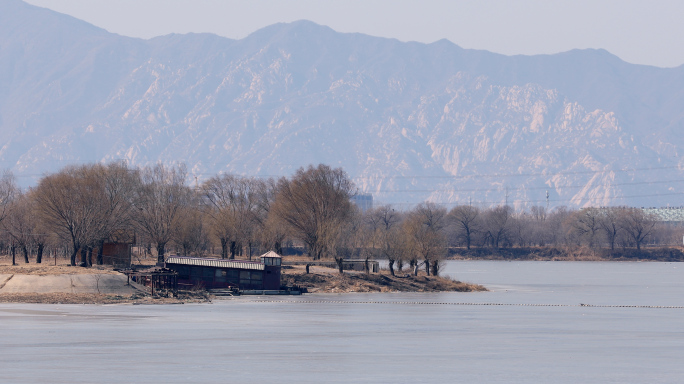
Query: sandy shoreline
[64,284]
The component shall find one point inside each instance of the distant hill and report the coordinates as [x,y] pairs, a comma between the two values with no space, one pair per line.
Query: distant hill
[407,121]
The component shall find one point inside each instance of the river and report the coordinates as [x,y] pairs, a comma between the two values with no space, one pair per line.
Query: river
[542,322]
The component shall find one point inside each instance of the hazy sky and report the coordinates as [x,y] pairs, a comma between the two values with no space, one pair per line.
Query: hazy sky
[642,32]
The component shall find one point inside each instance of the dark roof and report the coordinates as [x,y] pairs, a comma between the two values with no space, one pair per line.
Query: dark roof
[217,263]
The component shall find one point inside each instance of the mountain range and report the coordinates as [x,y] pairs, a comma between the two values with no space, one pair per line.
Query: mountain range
[408,121]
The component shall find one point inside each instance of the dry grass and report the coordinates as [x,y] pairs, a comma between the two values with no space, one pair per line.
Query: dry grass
[328,280]
[321,280]
[48,267]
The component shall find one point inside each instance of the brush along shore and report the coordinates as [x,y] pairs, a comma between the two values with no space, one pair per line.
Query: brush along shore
[328,280]
[64,284]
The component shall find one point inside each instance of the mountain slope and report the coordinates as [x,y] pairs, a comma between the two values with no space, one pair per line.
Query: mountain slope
[408,121]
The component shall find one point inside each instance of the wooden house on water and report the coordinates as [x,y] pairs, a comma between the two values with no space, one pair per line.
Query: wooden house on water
[212,273]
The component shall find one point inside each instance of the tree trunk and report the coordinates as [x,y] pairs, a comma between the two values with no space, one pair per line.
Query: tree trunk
[435,268]
[84,256]
[24,251]
[233,249]
[224,248]
[100,253]
[307,268]
[73,256]
[39,254]
[13,249]
[314,250]
[90,256]
[391,267]
[340,264]
[160,252]
[427,267]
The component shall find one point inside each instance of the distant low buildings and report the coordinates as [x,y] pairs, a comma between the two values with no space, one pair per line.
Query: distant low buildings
[670,215]
[364,201]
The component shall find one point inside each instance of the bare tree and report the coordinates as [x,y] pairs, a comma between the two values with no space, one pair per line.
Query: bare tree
[637,224]
[497,225]
[385,227]
[8,190]
[160,203]
[272,233]
[521,229]
[466,221]
[72,204]
[237,206]
[538,226]
[609,222]
[538,213]
[557,225]
[192,235]
[119,185]
[20,223]
[586,225]
[313,205]
[343,238]
[41,235]
[424,226]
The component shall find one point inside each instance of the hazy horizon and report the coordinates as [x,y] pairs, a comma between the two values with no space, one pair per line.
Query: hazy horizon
[638,32]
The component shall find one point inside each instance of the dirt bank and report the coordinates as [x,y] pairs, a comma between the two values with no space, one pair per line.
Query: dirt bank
[64,284]
[49,269]
[47,283]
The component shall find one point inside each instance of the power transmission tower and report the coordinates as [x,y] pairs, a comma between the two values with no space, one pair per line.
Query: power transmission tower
[547,202]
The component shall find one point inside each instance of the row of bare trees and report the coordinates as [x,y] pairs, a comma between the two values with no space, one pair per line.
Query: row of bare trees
[606,227]
[81,207]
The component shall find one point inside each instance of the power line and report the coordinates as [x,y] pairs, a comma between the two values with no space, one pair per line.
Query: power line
[474,176]
[520,188]
[556,200]
[502,175]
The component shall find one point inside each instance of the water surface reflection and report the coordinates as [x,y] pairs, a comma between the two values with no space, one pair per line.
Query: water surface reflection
[345,338]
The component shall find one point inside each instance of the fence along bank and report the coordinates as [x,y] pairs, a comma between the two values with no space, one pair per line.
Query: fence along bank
[212,273]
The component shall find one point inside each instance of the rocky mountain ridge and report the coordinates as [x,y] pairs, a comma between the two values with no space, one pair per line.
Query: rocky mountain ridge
[407,121]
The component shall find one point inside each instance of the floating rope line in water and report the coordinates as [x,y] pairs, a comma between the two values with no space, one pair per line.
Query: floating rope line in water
[459,304]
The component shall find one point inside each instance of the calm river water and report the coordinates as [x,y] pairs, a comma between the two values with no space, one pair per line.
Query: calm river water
[542,322]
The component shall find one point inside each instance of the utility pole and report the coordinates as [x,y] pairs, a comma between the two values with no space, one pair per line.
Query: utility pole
[547,202]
